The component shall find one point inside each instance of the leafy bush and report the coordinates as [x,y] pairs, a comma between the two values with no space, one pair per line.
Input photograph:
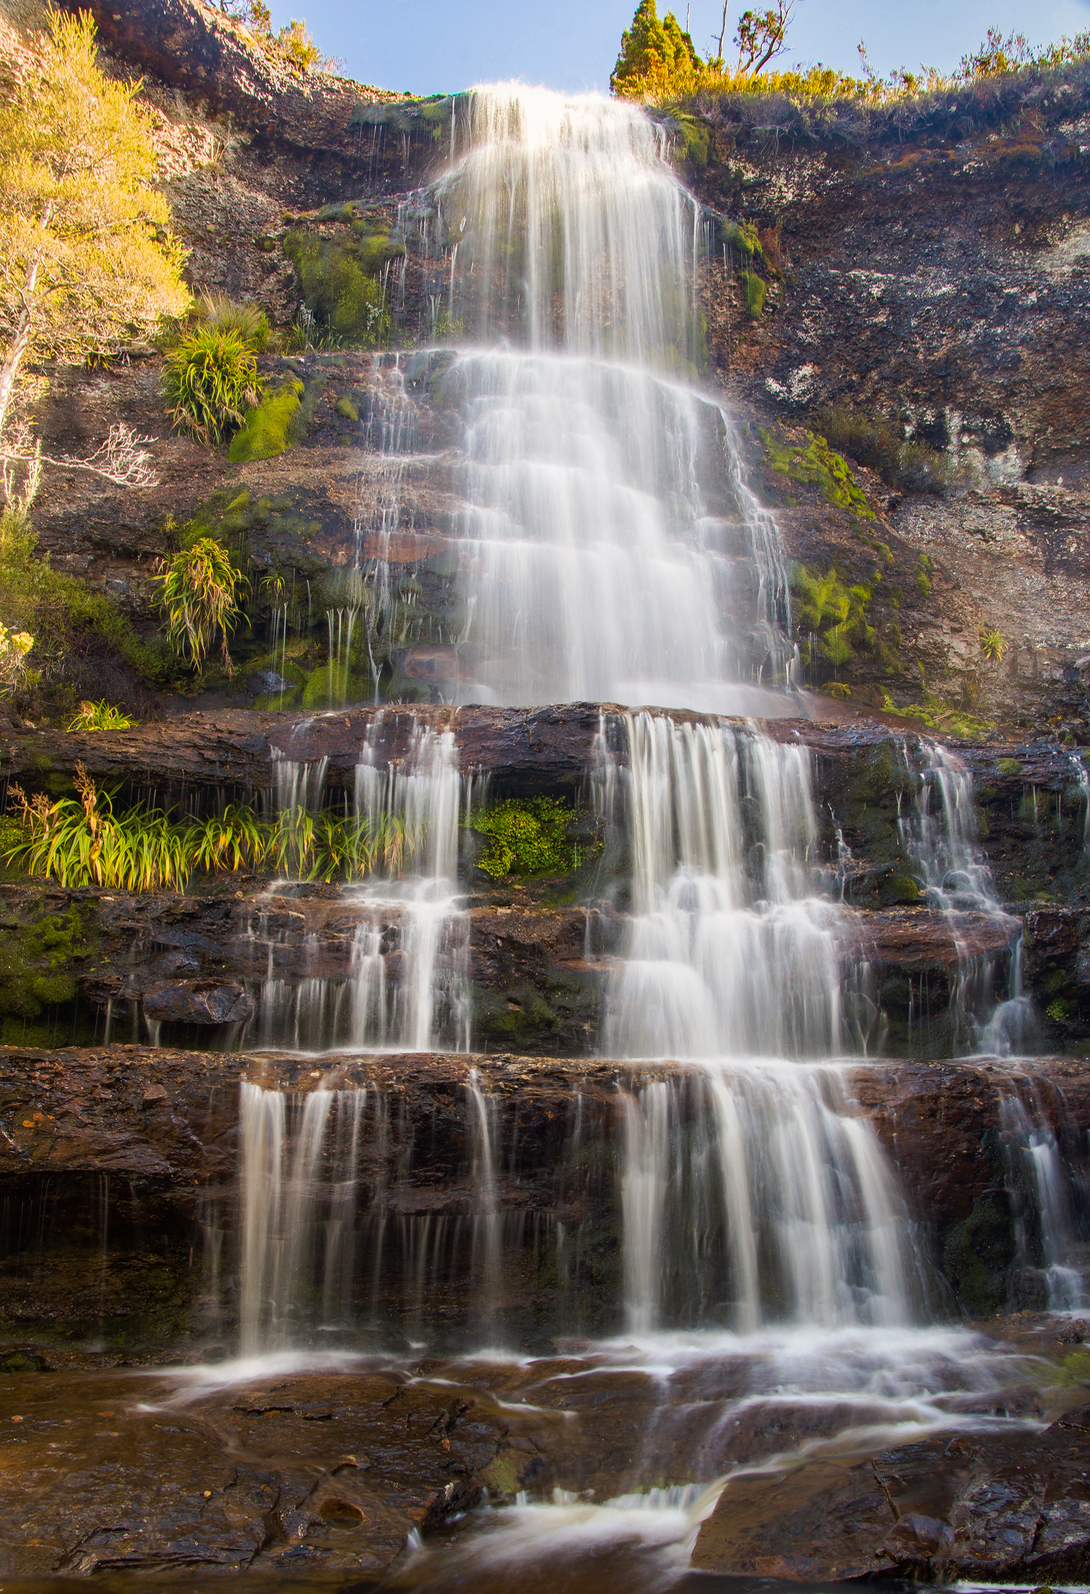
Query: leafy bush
[210,379]
[993,645]
[266,430]
[875,442]
[101,716]
[248,321]
[338,283]
[527,836]
[199,589]
[14,647]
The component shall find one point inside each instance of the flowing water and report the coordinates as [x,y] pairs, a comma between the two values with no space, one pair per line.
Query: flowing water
[407,984]
[720,1230]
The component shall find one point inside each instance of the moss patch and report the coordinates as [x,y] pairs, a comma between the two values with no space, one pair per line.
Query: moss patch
[814,464]
[977,1254]
[527,836]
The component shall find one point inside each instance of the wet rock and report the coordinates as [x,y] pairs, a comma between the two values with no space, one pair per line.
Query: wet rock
[989,1506]
[197,1002]
[329,1473]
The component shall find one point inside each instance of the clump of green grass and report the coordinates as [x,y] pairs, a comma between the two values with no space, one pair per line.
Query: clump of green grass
[100,716]
[83,841]
[199,591]
[209,382]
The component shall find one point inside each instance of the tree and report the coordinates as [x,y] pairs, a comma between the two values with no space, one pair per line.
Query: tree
[87,259]
[656,57]
[761,36]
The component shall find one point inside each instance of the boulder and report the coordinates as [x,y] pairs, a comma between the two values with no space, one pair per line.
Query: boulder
[197,1002]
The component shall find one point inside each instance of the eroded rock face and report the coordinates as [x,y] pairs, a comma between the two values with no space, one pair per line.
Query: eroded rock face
[991,1507]
[313,1474]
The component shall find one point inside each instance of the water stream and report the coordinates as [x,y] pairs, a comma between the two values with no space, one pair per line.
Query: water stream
[722,1226]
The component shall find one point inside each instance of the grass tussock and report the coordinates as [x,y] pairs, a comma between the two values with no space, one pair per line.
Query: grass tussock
[83,841]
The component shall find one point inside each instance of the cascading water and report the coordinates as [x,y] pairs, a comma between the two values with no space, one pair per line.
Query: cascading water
[940,833]
[407,985]
[607,548]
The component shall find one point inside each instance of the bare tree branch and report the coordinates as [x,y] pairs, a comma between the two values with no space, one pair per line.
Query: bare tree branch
[122,459]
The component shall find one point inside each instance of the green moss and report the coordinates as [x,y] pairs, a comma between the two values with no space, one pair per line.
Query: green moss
[815,464]
[332,686]
[1075,1368]
[337,279]
[755,288]
[741,235]
[1009,766]
[347,410]
[267,429]
[977,1254]
[900,887]
[527,836]
[34,964]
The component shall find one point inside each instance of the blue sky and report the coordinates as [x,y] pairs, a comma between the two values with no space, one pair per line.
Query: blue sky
[434,46]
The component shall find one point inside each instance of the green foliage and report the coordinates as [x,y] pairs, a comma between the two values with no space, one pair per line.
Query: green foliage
[209,380]
[977,1254]
[837,689]
[754,288]
[87,261]
[337,279]
[247,321]
[815,464]
[199,592]
[993,644]
[527,836]
[831,617]
[875,442]
[268,429]
[100,716]
[656,58]
[347,410]
[923,575]
[1009,766]
[34,961]
[77,633]
[81,841]
[998,55]
[1060,1010]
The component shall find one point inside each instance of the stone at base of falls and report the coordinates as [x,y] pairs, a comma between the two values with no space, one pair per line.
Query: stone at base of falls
[320,1473]
[1011,1506]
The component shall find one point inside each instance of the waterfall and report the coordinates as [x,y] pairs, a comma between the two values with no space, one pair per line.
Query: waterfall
[1046,1201]
[608,547]
[753,1194]
[731,952]
[943,840]
[408,984]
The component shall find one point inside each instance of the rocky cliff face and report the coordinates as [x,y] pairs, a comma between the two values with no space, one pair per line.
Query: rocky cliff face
[922,275]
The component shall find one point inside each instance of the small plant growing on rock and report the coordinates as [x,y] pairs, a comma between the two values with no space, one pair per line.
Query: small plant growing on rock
[101,716]
[993,645]
[198,591]
[14,647]
[210,381]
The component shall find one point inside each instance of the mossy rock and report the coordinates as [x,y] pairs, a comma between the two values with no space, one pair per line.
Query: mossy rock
[267,429]
[900,887]
[333,687]
[1009,766]
[754,288]
[815,464]
[977,1254]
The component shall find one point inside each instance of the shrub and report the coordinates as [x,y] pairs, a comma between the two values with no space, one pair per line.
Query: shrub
[210,379]
[877,443]
[337,279]
[993,644]
[14,647]
[198,591]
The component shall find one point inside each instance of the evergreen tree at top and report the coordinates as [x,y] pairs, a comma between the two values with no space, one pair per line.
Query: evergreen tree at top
[655,56]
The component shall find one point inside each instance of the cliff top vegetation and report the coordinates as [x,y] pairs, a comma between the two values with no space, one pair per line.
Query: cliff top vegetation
[659,65]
